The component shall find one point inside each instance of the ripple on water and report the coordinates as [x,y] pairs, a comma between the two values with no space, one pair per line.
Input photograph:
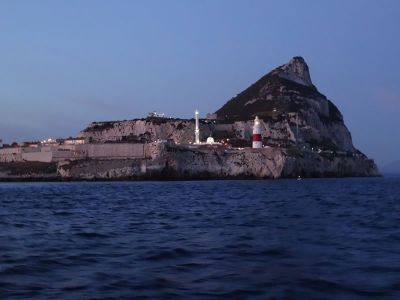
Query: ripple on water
[167,254]
[92,235]
[281,239]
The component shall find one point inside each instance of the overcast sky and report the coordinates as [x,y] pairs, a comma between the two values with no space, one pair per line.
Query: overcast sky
[64,64]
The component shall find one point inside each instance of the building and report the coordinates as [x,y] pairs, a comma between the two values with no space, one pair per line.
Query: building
[155,114]
[74,141]
[49,141]
[31,144]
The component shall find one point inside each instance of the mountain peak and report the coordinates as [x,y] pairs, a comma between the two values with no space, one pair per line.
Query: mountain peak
[295,70]
[287,88]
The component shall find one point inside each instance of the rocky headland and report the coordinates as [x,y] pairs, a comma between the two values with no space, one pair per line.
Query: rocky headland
[303,135]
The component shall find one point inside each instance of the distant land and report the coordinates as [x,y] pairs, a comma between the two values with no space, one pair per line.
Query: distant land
[391,168]
[279,127]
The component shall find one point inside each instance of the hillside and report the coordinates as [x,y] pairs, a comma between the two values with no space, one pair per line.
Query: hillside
[287,96]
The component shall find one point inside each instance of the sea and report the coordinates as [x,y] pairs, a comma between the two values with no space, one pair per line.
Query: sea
[254,239]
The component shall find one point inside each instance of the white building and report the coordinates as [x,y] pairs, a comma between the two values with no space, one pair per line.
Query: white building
[74,141]
[210,140]
[155,114]
[49,141]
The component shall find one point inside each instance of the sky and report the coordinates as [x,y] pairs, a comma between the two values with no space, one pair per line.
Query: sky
[64,64]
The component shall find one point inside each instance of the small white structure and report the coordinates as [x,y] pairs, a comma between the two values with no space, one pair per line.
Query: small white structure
[210,140]
[155,114]
[197,130]
[49,141]
[257,141]
[74,141]
[31,144]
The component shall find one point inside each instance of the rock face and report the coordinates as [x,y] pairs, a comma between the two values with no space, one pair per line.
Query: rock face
[296,70]
[290,105]
[144,130]
[181,162]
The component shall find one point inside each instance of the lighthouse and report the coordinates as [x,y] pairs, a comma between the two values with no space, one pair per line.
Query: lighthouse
[257,143]
[197,130]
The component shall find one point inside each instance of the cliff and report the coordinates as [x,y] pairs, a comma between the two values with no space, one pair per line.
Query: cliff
[181,162]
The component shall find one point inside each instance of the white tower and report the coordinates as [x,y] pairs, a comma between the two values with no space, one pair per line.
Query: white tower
[257,143]
[197,130]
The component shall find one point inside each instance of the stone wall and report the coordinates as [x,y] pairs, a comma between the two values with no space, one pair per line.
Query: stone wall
[113,151]
[40,156]
[73,152]
[10,154]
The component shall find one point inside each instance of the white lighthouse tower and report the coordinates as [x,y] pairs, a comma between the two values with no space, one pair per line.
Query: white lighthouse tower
[257,143]
[197,130]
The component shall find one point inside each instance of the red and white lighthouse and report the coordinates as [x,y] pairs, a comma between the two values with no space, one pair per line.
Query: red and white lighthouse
[257,143]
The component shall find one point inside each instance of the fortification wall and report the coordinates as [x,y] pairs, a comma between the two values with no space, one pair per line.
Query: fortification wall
[112,151]
[10,155]
[41,156]
[61,153]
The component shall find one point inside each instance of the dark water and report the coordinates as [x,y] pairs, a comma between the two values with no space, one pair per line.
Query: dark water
[284,239]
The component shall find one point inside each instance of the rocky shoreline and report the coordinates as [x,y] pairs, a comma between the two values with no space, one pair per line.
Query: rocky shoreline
[180,162]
